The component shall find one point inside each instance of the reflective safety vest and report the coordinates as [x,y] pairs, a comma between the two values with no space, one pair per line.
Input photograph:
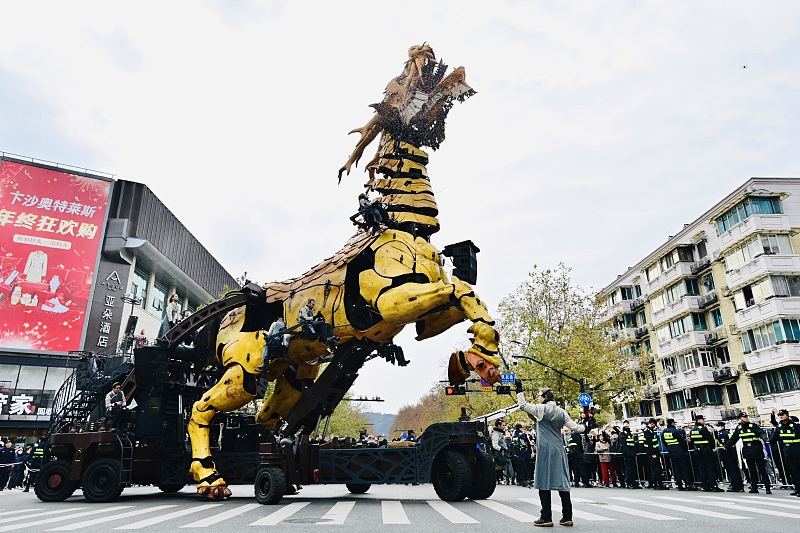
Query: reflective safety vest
[697,438]
[630,440]
[38,453]
[787,435]
[669,438]
[747,434]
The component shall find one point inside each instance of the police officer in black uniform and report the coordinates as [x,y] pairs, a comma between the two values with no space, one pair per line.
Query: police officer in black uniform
[707,460]
[34,463]
[678,449]
[628,446]
[730,459]
[787,434]
[652,450]
[752,451]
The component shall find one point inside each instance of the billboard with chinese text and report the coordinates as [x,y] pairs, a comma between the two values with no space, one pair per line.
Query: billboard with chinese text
[51,229]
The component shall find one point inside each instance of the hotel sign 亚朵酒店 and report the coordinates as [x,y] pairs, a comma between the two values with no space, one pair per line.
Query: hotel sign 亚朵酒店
[51,228]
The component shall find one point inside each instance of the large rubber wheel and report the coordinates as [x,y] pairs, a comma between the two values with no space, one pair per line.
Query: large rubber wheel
[101,481]
[169,488]
[53,483]
[451,476]
[358,488]
[270,485]
[484,478]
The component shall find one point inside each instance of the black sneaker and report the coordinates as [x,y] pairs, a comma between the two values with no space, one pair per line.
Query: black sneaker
[543,523]
[769,491]
[565,522]
[716,489]
[753,491]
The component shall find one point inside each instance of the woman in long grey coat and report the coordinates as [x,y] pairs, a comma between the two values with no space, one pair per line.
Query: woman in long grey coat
[551,461]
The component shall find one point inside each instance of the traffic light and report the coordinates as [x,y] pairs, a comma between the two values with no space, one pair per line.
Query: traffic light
[455,391]
[504,389]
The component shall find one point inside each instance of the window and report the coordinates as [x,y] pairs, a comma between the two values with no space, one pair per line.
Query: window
[710,395]
[645,409]
[716,317]
[762,336]
[627,293]
[676,401]
[667,261]
[685,254]
[723,355]
[647,345]
[613,298]
[776,244]
[652,272]
[158,304]
[139,285]
[775,381]
[663,334]
[699,321]
[791,329]
[657,406]
[707,282]
[642,316]
[629,320]
[733,394]
[696,359]
[657,303]
[701,249]
[744,209]
[638,290]
[679,327]
[669,366]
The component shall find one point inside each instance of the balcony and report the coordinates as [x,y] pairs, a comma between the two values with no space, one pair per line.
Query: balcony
[652,392]
[763,264]
[678,270]
[641,332]
[707,300]
[785,400]
[788,352]
[751,225]
[768,310]
[636,305]
[716,336]
[686,416]
[690,378]
[686,341]
[684,305]
[701,265]
[725,373]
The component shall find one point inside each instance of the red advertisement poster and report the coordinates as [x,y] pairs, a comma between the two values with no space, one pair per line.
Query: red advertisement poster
[51,224]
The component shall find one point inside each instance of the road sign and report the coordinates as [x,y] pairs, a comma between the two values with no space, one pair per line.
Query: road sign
[584,399]
[486,386]
[508,378]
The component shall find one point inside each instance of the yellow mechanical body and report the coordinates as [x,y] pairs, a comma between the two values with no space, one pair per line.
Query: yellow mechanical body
[400,274]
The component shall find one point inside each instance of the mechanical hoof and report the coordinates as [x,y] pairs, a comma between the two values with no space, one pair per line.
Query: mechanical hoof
[214,492]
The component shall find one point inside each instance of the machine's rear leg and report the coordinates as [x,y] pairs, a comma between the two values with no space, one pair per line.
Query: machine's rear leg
[231,392]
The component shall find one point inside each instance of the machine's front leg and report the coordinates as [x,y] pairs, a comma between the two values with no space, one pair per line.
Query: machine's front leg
[228,394]
[411,302]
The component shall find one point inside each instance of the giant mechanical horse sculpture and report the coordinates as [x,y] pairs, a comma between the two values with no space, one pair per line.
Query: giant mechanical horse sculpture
[376,285]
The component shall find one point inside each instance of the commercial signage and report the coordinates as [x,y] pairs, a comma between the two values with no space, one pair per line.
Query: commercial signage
[51,229]
[22,404]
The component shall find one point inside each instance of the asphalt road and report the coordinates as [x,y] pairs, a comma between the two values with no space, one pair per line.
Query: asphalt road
[401,507]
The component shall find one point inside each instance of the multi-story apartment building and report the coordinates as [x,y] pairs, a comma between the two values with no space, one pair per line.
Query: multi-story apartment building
[715,311]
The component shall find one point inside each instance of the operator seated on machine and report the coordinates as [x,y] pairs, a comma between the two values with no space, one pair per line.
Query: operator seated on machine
[315,326]
[372,215]
[117,413]
[277,339]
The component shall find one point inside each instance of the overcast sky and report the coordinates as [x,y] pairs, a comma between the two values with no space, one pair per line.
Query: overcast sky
[599,128]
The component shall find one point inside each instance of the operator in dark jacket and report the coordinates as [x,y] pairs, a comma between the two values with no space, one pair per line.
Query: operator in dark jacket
[730,459]
[650,446]
[707,459]
[628,447]
[752,451]
[675,440]
[787,434]
[8,456]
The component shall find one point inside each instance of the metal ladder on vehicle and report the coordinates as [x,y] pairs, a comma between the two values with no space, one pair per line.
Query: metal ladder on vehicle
[126,457]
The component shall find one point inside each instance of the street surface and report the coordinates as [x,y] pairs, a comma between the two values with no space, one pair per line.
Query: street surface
[398,507]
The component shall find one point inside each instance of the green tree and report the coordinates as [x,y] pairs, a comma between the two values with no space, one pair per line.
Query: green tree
[552,320]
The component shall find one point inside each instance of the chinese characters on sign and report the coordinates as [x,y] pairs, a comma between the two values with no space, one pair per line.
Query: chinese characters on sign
[21,404]
[51,224]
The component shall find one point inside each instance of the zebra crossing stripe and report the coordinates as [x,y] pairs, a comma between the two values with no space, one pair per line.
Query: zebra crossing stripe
[104,519]
[338,513]
[761,501]
[141,524]
[281,514]
[510,512]
[685,509]
[640,513]
[66,517]
[589,517]
[211,520]
[393,513]
[756,510]
[35,512]
[450,513]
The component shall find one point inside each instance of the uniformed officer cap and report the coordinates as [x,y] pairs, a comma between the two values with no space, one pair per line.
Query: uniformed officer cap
[699,417]
[670,421]
[721,423]
[783,412]
[743,415]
